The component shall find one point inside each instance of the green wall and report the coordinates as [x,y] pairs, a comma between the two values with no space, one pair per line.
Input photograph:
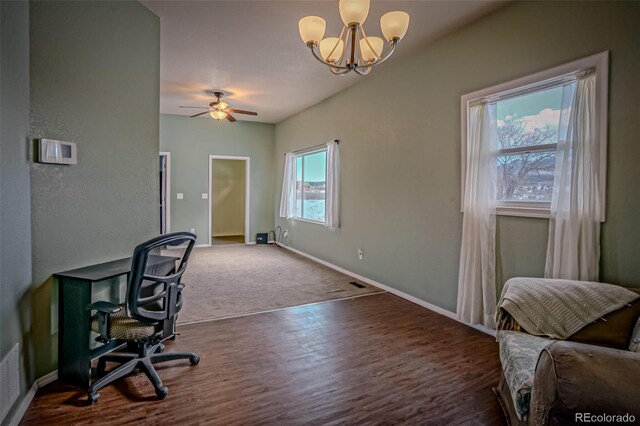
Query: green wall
[190,141]
[400,148]
[94,81]
[15,224]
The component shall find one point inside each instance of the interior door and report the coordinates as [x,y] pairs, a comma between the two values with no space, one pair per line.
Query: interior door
[163,194]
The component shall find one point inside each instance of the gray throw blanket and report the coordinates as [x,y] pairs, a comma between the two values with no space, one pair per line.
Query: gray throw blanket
[557,308]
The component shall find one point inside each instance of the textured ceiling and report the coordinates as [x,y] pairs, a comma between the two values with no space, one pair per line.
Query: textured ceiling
[252,50]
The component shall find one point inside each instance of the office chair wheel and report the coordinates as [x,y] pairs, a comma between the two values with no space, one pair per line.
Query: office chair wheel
[160,348]
[194,360]
[93,397]
[162,392]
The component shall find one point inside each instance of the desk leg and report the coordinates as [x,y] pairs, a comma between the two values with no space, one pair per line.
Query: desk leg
[74,359]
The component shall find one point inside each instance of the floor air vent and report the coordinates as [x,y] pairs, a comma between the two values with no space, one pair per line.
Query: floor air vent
[353,283]
[9,382]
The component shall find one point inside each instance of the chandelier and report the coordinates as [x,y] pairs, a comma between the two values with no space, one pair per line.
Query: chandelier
[353,50]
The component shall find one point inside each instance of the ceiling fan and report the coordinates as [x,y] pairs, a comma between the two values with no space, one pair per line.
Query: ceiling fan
[219,110]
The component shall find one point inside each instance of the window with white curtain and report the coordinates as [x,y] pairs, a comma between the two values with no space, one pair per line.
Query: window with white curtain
[311,180]
[534,147]
[311,185]
[527,126]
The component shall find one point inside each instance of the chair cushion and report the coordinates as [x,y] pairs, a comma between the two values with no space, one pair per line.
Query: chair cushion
[124,327]
[613,330]
[519,354]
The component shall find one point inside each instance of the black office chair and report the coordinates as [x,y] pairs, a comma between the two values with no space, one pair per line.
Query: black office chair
[154,297]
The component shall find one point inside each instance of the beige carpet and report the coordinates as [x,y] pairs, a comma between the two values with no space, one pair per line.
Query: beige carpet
[231,280]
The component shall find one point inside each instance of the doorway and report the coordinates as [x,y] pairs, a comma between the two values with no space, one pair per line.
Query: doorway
[165,188]
[229,194]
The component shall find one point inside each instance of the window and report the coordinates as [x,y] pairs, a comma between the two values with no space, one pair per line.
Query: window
[311,177]
[526,143]
[526,115]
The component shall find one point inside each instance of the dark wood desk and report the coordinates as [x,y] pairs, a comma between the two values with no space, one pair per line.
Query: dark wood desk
[75,287]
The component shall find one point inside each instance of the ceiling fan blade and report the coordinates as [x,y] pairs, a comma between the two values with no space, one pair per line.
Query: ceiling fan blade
[241,111]
[199,114]
[191,107]
[230,117]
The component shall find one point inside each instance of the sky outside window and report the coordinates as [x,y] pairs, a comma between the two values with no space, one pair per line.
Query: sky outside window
[537,109]
[315,167]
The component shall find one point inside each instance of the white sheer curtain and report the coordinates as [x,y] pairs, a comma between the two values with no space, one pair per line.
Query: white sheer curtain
[288,196]
[476,278]
[573,250]
[332,204]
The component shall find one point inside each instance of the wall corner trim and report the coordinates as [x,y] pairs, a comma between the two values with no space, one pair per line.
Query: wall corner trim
[392,290]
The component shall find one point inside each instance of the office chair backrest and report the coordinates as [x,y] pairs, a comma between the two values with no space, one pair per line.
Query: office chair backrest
[154,291]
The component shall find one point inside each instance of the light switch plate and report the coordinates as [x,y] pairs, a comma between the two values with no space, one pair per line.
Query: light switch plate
[180,195]
[205,196]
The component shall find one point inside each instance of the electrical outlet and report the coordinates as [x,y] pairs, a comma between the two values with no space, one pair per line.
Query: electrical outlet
[286,233]
[193,230]
[360,254]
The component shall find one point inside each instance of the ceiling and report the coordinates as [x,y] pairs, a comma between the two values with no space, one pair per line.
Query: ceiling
[252,50]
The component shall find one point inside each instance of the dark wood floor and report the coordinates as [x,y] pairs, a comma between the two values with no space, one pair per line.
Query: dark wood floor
[372,360]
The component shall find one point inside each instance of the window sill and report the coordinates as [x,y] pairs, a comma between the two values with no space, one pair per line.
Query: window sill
[315,222]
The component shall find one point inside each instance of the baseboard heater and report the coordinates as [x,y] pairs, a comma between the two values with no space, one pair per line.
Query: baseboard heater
[9,380]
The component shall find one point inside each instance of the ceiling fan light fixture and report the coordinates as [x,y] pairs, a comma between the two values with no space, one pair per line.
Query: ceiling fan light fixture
[354,11]
[312,29]
[218,115]
[394,25]
[219,110]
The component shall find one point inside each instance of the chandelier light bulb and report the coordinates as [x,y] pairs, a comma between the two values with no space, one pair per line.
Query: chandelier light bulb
[394,25]
[327,46]
[222,105]
[312,29]
[354,11]
[371,55]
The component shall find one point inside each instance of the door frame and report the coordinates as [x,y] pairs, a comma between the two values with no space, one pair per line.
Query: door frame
[247,192]
[167,195]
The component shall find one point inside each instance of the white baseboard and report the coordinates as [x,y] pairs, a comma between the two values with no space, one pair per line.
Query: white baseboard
[28,398]
[392,290]
[46,379]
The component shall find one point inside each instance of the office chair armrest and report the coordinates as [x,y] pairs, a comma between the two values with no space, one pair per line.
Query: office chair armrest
[104,307]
